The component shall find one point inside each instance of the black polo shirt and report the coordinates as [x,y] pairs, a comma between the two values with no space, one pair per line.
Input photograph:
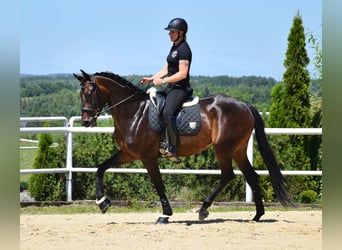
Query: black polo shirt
[177,53]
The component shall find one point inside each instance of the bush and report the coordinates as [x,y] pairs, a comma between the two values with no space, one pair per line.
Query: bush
[46,187]
[90,150]
[308,196]
[23,186]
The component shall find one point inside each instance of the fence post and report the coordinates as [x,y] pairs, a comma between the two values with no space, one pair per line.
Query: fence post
[69,166]
[249,194]
[68,177]
[69,160]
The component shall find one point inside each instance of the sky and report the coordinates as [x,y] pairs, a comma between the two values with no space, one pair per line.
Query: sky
[227,37]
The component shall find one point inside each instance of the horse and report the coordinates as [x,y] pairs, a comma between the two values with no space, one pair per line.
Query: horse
[226,124]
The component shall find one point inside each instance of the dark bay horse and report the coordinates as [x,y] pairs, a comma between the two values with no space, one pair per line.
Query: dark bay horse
[226,124]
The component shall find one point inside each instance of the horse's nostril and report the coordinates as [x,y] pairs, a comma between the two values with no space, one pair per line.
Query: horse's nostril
[85,123]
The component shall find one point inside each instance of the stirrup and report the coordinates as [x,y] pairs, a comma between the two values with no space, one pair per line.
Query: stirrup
[174,158]
[163,148]
[170,153]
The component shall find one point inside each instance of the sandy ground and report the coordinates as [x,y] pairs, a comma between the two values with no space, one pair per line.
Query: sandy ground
[228,230]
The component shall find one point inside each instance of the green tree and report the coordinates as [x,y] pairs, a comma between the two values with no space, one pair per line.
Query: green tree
[295,94]
[315,142]
[291,106]
[46,187]
[315,44]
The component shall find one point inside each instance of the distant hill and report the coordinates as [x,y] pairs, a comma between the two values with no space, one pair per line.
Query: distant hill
[57,94]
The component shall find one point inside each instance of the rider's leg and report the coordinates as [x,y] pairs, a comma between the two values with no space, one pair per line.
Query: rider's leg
[169,148]
[174,100]
[172,132]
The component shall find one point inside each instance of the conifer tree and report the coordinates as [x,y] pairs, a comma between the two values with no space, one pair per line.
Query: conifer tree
[291,101]
[291,107]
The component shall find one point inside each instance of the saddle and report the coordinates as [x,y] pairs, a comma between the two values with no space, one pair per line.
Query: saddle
[188,119]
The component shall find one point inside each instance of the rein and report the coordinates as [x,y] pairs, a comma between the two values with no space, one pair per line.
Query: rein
[120,102]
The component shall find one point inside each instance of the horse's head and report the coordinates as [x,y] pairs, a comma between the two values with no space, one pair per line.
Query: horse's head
[90,104]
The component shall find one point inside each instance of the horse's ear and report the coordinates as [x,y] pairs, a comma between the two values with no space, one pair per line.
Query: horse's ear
[85,75]
[80,78]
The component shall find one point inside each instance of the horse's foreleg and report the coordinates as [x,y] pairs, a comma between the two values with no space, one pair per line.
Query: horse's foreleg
[154,172]
[99,181]
[203,212]
[101,200]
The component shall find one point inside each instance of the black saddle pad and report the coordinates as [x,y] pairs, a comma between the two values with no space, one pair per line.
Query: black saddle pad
[188,120]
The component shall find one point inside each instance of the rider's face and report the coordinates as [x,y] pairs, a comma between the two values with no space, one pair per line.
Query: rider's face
[173,35]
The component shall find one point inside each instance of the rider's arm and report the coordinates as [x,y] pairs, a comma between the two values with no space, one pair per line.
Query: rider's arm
[162,73]
[181,74]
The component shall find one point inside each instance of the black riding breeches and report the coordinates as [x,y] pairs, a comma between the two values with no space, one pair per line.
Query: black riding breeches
[174,100]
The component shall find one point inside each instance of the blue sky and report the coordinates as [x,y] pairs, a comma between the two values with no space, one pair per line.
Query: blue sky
[235,38]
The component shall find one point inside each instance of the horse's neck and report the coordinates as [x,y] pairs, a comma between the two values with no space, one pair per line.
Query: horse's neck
[123,101]
[126,104]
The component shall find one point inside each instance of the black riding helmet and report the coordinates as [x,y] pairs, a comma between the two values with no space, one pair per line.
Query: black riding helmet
[177,24]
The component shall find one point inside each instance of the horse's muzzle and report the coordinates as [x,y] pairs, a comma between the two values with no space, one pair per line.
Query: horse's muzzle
[88,122]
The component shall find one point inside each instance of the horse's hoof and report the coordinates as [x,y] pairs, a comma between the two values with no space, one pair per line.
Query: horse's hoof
[203,214]
[104,204]
[162,220]
[168,211]
[257,217]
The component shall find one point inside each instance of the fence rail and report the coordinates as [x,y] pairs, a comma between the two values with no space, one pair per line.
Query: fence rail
[69,129]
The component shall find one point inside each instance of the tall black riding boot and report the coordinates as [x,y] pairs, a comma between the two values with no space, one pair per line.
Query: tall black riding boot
[168,147]
[172,138]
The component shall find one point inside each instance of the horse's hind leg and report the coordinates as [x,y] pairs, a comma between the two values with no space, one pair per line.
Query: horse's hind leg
[227,174]
[252,179]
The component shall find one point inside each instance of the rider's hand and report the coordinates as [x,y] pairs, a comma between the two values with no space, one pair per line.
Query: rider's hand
[157,81]
[146,80]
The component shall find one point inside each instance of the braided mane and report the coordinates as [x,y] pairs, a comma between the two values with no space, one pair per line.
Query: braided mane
[120,80]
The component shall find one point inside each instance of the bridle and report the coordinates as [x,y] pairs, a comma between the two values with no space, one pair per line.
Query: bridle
[95,103]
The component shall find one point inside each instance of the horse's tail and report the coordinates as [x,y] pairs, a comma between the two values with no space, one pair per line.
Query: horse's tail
[277,179]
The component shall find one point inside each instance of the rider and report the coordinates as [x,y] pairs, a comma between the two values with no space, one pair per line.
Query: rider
[176,75]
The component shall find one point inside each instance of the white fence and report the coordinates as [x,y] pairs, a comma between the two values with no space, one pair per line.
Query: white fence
[69,129]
